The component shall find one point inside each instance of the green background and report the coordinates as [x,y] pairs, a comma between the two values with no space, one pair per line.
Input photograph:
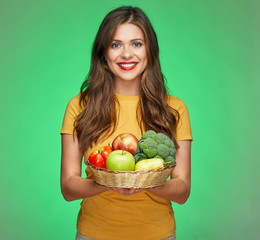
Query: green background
[209,52]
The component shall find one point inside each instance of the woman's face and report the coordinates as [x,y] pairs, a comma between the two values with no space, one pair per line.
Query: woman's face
[126,56]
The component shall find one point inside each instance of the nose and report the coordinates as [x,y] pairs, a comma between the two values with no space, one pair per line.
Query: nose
[127,52]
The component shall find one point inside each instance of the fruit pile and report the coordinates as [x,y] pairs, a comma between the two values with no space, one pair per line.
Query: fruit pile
[127,153]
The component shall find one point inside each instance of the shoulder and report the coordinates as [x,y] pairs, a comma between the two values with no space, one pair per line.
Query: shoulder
[75,100]
[178,105]
[75,105]
[183,129]
[175,102]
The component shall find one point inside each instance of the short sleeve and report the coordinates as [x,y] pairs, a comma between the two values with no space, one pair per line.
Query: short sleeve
[72,111]
[183,129]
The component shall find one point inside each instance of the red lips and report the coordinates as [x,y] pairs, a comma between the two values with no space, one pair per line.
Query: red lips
[127,66]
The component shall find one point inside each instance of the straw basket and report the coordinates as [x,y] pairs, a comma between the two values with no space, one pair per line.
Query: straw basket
[130,179]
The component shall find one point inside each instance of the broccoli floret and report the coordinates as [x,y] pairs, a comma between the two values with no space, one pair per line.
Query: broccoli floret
[149,147]
[148,134]
[138,147]
[160,138]
[156,145]
[172,151]
[170,160]
[163,151]
[169,143]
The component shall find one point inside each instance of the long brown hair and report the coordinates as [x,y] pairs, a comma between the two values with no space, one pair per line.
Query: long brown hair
[98,120]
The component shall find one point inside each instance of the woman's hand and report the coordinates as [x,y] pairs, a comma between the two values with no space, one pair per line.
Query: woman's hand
[178,188]
[126,191]
[73,186]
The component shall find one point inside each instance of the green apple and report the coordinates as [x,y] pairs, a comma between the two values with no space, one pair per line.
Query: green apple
[120,160]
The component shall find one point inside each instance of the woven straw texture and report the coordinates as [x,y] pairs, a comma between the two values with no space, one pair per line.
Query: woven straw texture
[131,179]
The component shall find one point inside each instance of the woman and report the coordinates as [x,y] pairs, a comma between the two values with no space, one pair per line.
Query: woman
[124,92]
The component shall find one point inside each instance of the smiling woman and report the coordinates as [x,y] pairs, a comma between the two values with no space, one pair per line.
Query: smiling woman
[124,93]
[127,58]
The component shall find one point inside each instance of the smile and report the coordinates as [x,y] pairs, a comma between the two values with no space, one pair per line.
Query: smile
[127,66]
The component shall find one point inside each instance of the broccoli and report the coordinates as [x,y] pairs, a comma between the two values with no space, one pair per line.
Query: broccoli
[170,160]
[140,156]
[155,145]
[149,147]
[163,151]
[148,134]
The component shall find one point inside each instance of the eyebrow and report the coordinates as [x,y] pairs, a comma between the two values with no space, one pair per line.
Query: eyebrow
[132,40]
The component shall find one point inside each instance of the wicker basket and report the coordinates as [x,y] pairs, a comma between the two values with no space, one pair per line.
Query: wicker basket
[130,179]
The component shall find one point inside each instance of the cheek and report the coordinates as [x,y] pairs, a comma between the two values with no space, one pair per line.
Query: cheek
[110,59]
[111,56]
[144,58]
[143,55]
[111,67]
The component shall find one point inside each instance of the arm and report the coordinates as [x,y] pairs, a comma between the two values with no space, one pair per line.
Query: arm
[177,189]
[73,186]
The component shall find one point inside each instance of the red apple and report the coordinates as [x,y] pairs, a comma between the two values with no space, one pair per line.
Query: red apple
[125,141]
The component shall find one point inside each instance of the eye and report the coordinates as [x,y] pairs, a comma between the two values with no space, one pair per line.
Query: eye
[115,45]
[137,44]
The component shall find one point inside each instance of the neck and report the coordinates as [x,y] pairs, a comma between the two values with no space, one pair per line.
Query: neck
[128,87]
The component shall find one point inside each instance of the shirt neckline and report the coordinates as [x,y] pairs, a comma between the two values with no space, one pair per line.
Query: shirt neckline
[127,97]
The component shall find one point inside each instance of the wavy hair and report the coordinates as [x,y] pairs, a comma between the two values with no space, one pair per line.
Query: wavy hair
[99,118]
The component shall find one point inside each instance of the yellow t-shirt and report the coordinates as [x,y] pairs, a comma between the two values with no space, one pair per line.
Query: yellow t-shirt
[113,216]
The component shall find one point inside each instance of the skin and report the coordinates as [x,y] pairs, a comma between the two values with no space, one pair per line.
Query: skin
[74,187]
[177,189]
[128,46]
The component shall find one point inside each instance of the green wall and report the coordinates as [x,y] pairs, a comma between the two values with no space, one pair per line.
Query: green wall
[209,52]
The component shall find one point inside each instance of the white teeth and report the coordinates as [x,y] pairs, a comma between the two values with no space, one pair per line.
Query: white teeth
[127,65]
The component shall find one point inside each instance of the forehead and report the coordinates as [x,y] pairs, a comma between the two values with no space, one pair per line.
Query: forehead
[128,31]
